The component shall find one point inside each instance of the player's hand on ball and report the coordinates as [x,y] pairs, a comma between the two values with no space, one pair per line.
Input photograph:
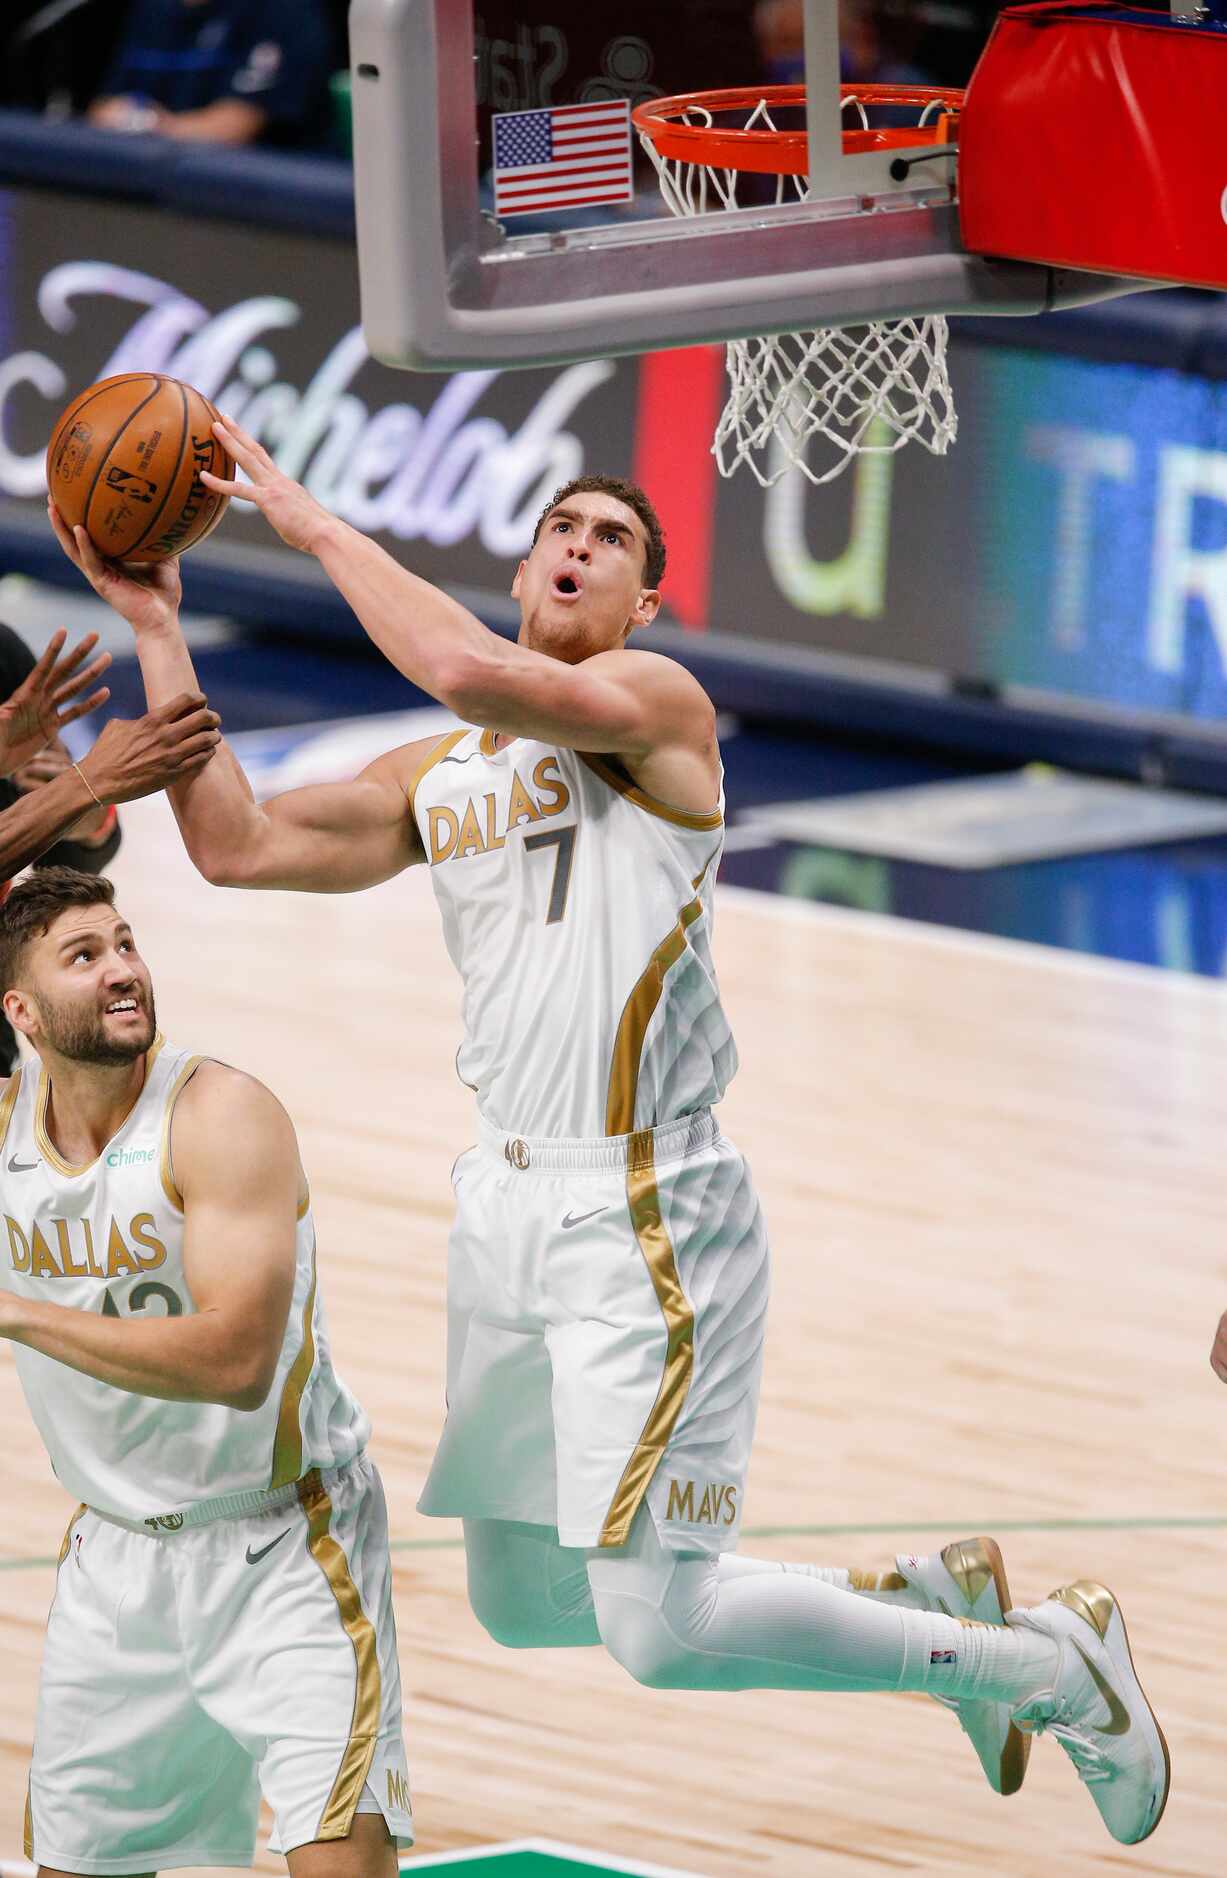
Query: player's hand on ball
[297,517]
[1218,1355]
[163,747]
[147,596]
[50,698]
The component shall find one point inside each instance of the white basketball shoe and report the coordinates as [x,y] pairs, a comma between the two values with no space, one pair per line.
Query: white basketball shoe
[966,1579]
[1097,1711]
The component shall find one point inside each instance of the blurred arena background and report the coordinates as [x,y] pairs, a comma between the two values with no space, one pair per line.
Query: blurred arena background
[1041,618]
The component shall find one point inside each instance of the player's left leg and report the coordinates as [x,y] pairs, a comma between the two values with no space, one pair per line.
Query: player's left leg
[368,1852]
[675,1621]
[694,1620]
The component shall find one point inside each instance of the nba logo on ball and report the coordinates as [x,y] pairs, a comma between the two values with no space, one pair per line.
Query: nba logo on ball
[125,462]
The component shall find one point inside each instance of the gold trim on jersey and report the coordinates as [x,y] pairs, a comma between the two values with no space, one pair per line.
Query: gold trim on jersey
[489,743]
[166,1163]
[287,1442]
[337,1818]
[43,1140]
[685,818]
[633,1024]
[656,1246]
[433,756]
[8,1101]
[304,1205]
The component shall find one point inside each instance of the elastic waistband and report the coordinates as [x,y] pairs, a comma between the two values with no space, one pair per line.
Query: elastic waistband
[603,1154]
[230,1505]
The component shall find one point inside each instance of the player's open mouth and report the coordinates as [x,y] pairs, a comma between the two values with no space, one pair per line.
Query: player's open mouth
[123,1007]
[567,586]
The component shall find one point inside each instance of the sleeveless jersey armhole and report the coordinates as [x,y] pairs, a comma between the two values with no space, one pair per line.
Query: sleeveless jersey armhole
[167,1166]
[612,772]
[433,756]
[8,1102]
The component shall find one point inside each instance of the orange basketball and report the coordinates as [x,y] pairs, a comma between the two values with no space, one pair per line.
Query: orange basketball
[125,459]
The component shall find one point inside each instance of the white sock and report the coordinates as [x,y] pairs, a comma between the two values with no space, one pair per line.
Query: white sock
[721,1627]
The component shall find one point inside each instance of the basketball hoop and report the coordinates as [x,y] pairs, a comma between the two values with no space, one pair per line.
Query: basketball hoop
[862,389]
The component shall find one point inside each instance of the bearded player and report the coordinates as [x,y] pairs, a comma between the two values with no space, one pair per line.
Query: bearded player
[222,1624]
[608,1268]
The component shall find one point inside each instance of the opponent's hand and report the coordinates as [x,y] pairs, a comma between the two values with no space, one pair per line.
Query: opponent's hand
[133,759]
[44,768]
[147,596]
[41,705]
[1218,1355]
[297,517]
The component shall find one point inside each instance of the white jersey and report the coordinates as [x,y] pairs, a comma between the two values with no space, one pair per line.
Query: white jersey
[577,909]
[109,1237]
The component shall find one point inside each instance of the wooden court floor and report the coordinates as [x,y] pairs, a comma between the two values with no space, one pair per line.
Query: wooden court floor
[994,1181]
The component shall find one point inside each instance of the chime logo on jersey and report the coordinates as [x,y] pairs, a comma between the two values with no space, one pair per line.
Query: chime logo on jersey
[716,1507]
[75,1255]
[453,837]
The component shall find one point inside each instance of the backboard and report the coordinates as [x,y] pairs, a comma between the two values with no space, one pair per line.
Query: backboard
[446,285]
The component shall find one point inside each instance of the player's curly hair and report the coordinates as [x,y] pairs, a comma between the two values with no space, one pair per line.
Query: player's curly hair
[635,500]
[34,905]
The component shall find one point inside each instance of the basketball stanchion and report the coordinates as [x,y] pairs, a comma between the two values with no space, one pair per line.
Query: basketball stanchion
[865,389]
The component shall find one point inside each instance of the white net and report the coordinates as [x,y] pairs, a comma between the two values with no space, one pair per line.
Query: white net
[815,400]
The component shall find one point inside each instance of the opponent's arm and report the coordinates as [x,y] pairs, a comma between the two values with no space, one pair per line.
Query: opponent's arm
[607,703]
[333,838]
[236,1162]
[128,760]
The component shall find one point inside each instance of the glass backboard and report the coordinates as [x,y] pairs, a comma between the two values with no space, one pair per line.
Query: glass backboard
[507,216]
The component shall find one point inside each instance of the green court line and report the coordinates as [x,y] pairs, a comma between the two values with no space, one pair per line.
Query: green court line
[1158,1522]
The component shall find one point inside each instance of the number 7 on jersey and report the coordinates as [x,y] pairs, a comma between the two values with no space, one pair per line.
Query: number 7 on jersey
[564,840]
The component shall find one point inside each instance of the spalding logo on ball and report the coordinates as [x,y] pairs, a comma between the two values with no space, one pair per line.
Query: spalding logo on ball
[125,462]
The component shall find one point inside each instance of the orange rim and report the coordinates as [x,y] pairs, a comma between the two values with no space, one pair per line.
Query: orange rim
[786,152]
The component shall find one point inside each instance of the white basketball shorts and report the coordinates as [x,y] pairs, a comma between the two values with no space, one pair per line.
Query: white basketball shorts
[606,1309]
[187,1672]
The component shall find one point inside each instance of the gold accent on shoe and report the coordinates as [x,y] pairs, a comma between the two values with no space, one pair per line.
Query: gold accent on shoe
[875,1581]
[968,1563]
[1092,1601]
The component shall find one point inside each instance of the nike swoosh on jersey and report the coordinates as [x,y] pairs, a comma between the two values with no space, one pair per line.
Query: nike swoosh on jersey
[253,1558]
[21,1167]
[578,1219]
[1120,1723]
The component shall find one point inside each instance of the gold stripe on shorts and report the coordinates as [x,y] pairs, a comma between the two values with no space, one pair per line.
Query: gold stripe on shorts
[657,1248]
[337,1818]
[29,1826]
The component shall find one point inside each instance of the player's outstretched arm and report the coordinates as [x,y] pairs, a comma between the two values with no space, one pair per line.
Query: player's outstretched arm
[607,703]
[130,759]
[331,839]
[236,1161]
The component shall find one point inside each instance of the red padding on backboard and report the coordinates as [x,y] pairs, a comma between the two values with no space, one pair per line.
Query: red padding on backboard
[1094,137]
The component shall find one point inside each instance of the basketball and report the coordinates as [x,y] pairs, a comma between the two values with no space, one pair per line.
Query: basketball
[125,460]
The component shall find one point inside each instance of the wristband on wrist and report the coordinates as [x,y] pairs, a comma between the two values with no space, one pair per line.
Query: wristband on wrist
[89,785]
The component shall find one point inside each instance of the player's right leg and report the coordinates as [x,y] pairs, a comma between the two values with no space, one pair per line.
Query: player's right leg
[526,1590]
[369,1851]
[111,1686]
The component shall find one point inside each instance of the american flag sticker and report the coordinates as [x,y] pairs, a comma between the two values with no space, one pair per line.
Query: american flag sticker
[564,158]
